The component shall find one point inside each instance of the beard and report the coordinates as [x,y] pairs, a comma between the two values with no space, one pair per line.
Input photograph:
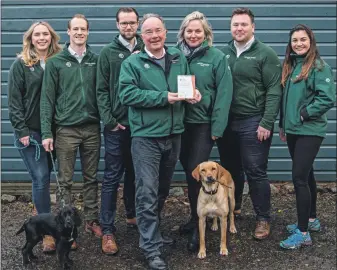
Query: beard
[128,36]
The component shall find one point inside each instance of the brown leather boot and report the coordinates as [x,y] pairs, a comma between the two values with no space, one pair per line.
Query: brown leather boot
[94,228]
[74,246]
[262,230]
[109,245]
[131,223]
[48,244]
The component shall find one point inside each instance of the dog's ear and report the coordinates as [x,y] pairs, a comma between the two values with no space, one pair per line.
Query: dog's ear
[59,221]
[222,174]
[77,217]
[196,173]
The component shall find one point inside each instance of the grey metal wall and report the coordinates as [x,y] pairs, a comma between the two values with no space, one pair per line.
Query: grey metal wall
[273,22]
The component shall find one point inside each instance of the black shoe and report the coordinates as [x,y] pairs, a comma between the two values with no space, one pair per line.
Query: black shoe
[157,263]
[193,240]
[188,227]
[167,240]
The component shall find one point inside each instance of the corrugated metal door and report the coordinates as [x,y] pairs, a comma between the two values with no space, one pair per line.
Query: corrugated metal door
[273,22]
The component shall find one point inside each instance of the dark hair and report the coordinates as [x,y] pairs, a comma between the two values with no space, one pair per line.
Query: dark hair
[126,10]
[309,60]
[78,16]
[243,10]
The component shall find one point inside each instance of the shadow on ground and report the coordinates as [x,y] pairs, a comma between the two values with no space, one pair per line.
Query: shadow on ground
[244,251]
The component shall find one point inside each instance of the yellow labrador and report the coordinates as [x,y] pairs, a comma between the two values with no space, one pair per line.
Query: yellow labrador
[217,187]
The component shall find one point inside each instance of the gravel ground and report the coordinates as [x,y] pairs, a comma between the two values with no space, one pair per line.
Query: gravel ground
[244,251]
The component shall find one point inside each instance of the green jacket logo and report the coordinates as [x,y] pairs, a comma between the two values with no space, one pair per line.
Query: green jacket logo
[250,57]
[68,64]
[202,64]
[31,68]
[146,66]
[90,64]
[121,55]
[228,55]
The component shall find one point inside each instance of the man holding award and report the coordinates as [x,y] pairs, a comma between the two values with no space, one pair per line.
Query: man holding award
[148,85]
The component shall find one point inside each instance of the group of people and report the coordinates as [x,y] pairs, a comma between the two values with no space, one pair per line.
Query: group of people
[57,97]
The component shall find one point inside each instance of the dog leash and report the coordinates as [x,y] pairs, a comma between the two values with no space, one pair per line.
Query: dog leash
[37,157]
[57,181]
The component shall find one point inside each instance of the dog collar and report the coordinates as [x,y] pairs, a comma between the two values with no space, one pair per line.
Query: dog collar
[212,192]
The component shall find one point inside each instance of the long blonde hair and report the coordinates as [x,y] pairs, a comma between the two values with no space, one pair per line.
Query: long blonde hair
[196,15]
[29,55]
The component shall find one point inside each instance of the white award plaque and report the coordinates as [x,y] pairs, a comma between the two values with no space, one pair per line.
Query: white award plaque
[186,86]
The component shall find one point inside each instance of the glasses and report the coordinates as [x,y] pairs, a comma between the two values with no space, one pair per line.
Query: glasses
[150,32]
[125,24]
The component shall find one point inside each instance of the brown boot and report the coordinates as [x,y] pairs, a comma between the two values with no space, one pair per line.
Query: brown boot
[48,244]
[94,228]
[262,230]
[109,245]
[74,246]
[131,223]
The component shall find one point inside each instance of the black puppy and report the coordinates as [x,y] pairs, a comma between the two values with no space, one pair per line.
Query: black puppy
[62,227]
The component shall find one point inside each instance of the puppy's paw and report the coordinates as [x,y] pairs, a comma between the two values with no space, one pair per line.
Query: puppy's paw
[223,251]
[232,229]
[202,254]
[214,227]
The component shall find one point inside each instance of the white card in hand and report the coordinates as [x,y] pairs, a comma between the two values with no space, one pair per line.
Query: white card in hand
[186,86]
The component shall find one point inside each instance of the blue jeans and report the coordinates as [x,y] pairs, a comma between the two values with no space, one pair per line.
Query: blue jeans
[118,161]
[39,171]
[254,157]
[154,161]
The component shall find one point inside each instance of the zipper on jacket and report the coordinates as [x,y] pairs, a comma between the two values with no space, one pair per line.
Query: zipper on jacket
[82,88]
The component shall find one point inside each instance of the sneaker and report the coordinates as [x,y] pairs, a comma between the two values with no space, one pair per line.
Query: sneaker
[109,245]
[94,228]
[296,240]
[48,244]
[313,226]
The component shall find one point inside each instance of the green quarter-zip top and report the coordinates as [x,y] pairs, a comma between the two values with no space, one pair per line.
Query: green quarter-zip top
[24,91]
[310,98]
[68,95]
[256,82]
[108,68]
[214,81]
[144,86]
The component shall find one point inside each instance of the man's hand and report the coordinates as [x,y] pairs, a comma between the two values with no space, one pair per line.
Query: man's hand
[262,133]
[173,97]
[196,99]
[48,144]
[118,127]
[283,136]
[24,140]
[214,138]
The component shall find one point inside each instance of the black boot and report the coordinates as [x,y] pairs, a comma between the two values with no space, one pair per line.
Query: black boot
[193,240]
[156,263]
[189,226]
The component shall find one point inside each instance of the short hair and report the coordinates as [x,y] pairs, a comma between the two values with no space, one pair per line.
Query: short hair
[78,16]
[196,15]
[151,15]
[126,10]
[243,10]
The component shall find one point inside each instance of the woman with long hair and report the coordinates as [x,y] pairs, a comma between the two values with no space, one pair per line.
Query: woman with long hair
[206,120]
[40,42]
[308,93]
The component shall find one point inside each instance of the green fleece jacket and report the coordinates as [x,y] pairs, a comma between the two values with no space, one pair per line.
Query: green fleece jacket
[256,82]
[24,91]
[213,79]
[108,68]
[310,98]
[68,94]
[144,87]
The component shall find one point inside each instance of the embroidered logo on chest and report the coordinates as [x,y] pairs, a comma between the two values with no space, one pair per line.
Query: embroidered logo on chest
[250,57]
[68,64]
[90,64]
[203,64]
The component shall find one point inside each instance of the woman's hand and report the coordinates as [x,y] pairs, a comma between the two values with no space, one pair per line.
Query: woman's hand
[283,136]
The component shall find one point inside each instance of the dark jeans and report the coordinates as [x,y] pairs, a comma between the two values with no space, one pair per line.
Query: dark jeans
[118,161]
[230,159]
[154,162]
[86,138]
[303,151]
[196,146]
[39,171]
[253,157]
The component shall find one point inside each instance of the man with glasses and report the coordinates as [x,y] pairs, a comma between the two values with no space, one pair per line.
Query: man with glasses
[117,139]
[148,85]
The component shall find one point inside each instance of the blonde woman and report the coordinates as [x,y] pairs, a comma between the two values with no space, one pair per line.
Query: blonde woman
[206,120]
[40,42]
